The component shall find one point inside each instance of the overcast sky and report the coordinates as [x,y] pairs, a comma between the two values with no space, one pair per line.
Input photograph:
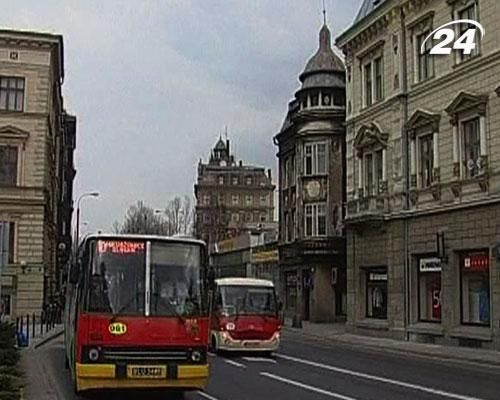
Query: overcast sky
[154,82]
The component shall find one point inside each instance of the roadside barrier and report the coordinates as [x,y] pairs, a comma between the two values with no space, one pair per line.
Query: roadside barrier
[34,326]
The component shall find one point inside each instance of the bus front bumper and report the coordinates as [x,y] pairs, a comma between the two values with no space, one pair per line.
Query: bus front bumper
[103,376]
[227,343]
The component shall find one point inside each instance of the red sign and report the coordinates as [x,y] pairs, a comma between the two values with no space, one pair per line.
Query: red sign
[119,247]
[477,262]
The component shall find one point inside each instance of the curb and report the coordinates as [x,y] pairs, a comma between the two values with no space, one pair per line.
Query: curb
[390,349]
[48,338]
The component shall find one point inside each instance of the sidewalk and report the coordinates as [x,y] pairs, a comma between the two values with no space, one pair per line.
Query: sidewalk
[334,333]
[39,382]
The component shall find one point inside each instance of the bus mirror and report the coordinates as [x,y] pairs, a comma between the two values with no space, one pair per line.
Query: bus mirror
[74,273]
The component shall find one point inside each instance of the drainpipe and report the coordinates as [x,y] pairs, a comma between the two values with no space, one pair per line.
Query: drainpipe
[406,168]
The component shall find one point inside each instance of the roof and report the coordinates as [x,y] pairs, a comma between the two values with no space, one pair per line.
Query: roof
[220,145]
[124,236]
[366,8]
[324,60]
[243,282]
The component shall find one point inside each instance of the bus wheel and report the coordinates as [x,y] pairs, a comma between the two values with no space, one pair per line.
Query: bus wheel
[213,344]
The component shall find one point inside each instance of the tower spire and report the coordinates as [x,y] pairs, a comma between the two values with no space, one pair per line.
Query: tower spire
[324,12]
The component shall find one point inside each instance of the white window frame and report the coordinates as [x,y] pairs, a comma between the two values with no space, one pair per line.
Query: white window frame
[461,143]
[249,200]
[376,180]
[459,56]
[264,200]
[220,179]
[368,102]
[417,78]
[315,165]
[235,200]
[418,157]
[315,211]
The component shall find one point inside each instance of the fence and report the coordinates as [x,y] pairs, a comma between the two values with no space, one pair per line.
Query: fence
[34,326]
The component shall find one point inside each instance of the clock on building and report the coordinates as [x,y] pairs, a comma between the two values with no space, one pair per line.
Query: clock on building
[313,188]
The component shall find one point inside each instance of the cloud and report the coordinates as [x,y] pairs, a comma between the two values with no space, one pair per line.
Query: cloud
[154,82]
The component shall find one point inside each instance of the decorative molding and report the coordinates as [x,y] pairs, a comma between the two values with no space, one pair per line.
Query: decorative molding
[436,192]
[422,118]
[371,50]
[413,197]
[12,132]
[422,22]
[466,101]
[497,91]
[456,189]
[370,135]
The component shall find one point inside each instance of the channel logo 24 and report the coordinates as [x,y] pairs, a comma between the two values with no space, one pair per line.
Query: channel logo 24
[445,35]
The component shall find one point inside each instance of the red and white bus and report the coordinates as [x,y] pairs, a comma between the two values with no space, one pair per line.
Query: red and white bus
[137,313]
[245,316]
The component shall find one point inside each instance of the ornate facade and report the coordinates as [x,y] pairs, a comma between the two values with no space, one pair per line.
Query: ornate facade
[311,153]
[423,174]
[37,141]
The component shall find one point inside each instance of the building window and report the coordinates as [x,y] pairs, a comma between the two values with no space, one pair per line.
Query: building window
[292,171]
[426,164]
[376,293]
[475,287]
[11,93]
[206,218]
[220,199]
[286,169]
[315,219]
[287,227]
[471,147]
[369,174]
[373,170]
[221,180]
[424,61]
[263,217]
[249,180]
[206,200]
[7,243]
[368,85]
[249,200]
[470,12]
[429,290]
[292,223]
[5,305]
[315,159]
[314,100]
[379,86]
[234,180]
[248,217]
[235,200]
[263,200]
[8,165]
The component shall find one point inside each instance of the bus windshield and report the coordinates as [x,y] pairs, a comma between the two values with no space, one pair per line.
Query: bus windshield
[249,300]
[125,273]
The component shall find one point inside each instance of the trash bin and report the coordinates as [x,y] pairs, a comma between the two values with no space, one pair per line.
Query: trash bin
[22,339]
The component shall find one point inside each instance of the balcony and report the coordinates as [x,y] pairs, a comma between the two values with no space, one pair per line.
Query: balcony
[367,209]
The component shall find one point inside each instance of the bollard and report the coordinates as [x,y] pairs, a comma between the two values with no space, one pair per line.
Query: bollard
[27,330]
[34,326]
[17,324]
[41,324]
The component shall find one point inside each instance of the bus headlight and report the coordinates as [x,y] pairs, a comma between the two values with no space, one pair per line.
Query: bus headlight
[196,356]
[93,354]
[230,326]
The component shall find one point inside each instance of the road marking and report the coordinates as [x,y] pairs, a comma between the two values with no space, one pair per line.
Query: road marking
[307,387]
[236,364]
[206,395]
[376,378]
[259,359]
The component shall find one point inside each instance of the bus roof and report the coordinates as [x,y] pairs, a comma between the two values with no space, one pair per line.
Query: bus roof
[243,282]
[123,236]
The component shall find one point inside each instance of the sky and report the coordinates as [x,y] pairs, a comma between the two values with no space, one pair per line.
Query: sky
[154,83]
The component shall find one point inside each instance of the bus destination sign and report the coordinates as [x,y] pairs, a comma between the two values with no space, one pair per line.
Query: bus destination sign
[119,247]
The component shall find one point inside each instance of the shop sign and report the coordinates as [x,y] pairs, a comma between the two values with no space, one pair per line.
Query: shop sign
[265,256]
[476,262]
[377,276]
[430,265]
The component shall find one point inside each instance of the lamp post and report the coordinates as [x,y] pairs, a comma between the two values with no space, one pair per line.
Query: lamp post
[84,195]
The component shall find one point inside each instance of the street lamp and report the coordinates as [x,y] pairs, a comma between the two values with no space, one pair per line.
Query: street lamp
[84,195]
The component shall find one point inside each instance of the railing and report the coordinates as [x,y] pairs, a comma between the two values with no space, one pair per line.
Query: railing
[35,326]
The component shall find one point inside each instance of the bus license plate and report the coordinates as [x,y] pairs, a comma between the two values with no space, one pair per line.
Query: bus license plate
[146,372]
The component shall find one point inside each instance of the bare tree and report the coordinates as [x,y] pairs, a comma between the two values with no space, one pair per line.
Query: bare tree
[178,216]
[141,218]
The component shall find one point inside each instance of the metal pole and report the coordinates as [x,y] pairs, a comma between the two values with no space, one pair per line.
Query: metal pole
[77,225]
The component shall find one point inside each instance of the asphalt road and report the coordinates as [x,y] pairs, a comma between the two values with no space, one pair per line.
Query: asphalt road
[305,371]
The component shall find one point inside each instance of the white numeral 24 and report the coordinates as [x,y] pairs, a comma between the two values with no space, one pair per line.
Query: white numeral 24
[466,42]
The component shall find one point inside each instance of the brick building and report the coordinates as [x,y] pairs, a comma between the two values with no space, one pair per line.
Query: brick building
[423,174]
[311,156]
[231,197]
[37,140]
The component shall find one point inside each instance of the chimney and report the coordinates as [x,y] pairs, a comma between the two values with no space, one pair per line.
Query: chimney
[241,163]
[269,173]
[227,146]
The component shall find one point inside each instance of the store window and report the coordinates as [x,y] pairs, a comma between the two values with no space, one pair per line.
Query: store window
[475,287]
[376,293]
[429,290]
